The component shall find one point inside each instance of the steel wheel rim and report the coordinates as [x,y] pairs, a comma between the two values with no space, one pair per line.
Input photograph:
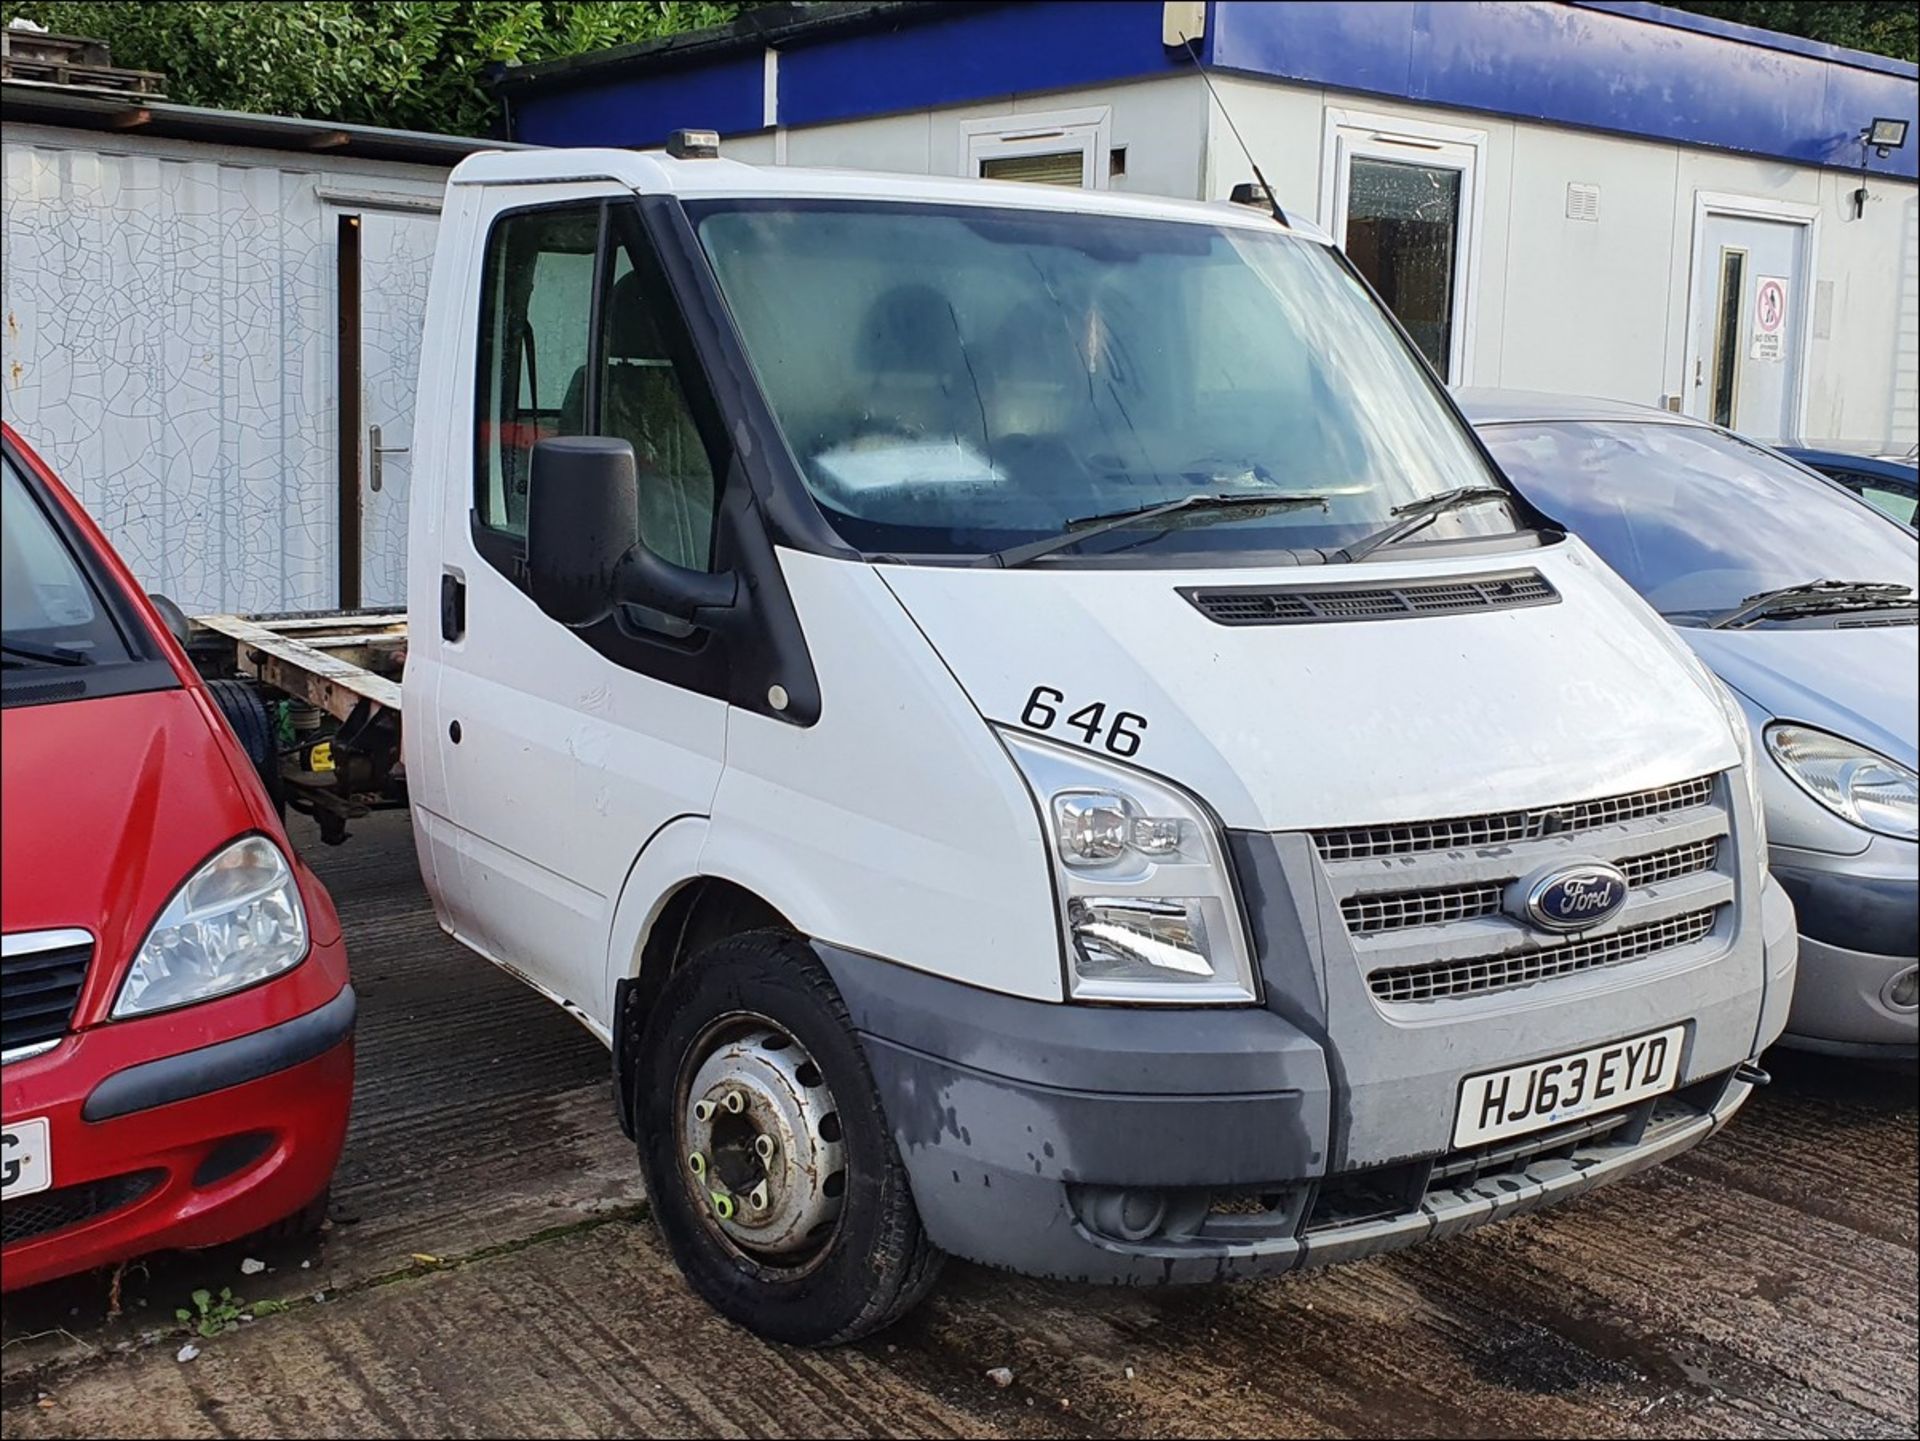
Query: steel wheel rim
[758,1142]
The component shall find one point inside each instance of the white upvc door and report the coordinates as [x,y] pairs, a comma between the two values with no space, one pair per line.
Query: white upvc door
[1747,309]
[1403,198]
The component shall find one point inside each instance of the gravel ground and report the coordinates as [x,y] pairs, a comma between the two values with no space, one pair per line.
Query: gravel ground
[491,1270]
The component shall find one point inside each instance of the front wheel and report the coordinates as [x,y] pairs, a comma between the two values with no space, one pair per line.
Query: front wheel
[768,1161]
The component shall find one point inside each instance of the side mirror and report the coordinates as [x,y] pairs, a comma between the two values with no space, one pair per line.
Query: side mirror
[173,618]
[583,515]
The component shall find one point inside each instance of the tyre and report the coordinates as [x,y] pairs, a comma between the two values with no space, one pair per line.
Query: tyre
[768,1162]
[239,702]
[306,1221]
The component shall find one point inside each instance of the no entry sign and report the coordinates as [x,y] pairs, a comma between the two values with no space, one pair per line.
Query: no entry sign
[1769,317]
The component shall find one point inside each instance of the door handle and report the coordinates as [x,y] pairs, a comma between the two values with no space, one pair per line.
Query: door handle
[374,451]
[1698,372]
[453,607]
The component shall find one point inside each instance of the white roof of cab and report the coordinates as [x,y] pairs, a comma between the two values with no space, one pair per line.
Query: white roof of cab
[652,172]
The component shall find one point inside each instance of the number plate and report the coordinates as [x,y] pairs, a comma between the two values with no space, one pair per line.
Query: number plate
[1526,1098]
[26,1158]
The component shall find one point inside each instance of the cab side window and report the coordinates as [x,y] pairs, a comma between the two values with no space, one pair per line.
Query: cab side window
[566,352]
[642,400]
[536,330]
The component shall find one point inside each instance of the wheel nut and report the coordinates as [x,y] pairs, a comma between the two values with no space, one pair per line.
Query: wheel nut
[703,1111]
[757,1197]
[697,1164]
[734,1102]
[763,1148]
[722,1204]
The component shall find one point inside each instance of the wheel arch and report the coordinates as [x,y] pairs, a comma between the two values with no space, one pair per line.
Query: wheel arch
[669,908]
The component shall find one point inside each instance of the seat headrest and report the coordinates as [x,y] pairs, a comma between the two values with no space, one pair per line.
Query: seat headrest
[631,333]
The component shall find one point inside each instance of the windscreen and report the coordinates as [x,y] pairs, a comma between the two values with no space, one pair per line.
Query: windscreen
[959,379]
[1695,520]
[49,610]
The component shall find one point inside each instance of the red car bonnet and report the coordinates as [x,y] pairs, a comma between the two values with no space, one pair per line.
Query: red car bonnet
[112,802]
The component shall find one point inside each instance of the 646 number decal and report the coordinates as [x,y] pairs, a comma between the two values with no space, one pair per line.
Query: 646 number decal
[1121,734]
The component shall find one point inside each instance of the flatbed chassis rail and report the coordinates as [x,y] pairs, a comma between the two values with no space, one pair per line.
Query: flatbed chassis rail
[330,681]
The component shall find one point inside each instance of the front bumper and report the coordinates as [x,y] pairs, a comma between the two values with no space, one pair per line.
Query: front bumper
[195,1146]
[1141,1147]
[1859,920]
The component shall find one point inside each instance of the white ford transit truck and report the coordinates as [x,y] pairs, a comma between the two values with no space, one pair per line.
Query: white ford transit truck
[1033,730]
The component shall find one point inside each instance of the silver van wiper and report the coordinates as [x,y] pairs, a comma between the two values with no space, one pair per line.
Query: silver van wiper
[1086,527]
[1816,595]
[1417,515]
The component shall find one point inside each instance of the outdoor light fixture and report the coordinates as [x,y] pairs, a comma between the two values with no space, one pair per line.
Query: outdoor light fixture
[1884,136]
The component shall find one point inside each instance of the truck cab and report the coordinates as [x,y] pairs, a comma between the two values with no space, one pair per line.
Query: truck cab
[1033,730]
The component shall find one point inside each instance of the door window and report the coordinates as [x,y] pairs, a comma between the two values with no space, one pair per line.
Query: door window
[641,400]
[535,332]
[1726,337]
[1884,495]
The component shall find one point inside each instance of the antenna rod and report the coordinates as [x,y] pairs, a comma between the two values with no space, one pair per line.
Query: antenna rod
[1273,200]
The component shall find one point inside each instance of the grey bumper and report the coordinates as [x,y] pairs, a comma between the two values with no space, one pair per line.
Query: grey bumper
[1027,1128]
[1859,920]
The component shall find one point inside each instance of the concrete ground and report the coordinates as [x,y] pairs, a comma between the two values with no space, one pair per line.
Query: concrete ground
[491,1271]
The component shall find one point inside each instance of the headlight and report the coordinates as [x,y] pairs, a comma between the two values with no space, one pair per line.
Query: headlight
[1149,909]
[1853,782]
[237,920]
[1749,771]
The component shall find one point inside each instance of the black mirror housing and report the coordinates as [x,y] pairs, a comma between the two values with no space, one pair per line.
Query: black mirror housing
[172,617]
[583,558]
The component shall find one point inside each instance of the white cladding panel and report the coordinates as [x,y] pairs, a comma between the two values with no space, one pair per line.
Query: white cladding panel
[169,348]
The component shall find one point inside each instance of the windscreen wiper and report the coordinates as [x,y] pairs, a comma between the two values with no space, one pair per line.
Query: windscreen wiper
[26,652]
[1087,527]
[1813,596]
[1419,514]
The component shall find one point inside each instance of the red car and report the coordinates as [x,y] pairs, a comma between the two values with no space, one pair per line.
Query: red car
[176,1026]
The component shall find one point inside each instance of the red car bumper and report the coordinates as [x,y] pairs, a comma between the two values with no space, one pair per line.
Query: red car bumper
[161,1136]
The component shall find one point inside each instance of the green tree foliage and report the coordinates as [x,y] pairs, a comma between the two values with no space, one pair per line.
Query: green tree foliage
[1884,27]
[412,64]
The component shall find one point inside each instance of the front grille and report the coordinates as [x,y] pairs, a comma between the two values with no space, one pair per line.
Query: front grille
[30,1216]
[1506,827]
[1370,915]
[1310,604]
[38,988]
[1444,979]
[1667,865]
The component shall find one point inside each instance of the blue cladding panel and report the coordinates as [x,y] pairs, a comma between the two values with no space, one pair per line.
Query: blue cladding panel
[1593,68]
[727,96]
[1628,68]
[1750,35]
[990,51]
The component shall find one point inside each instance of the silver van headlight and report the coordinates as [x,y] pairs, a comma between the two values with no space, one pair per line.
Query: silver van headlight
[1749,770]
[237,920]
[1148,906]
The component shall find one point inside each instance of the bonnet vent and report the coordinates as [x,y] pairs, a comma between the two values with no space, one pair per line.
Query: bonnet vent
[1319,604]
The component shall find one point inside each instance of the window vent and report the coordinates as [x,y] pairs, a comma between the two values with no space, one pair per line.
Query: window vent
[1583,201]
[1319,604]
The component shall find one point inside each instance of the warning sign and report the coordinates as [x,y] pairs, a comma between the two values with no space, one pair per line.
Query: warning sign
[1769,317]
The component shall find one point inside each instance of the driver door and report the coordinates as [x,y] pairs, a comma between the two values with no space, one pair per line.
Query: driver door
[566,750]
